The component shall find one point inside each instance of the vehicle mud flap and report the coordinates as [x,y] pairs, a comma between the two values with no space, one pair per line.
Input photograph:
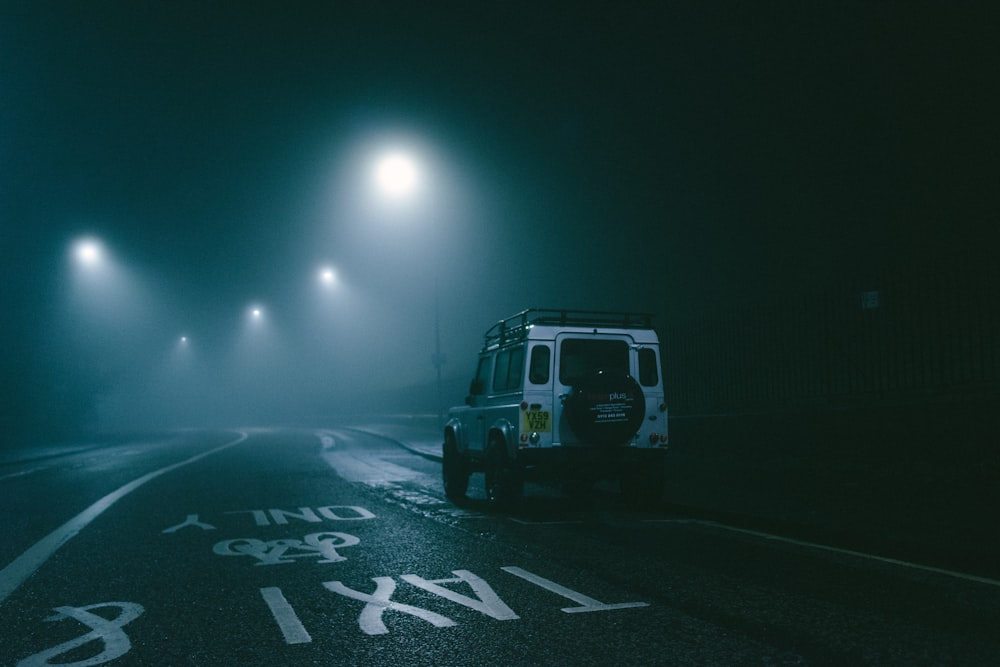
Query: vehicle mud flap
[504,478]
[454,471]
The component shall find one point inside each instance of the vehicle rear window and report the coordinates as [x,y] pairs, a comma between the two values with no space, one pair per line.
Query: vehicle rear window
[579,357]
[649,374]
[538,369]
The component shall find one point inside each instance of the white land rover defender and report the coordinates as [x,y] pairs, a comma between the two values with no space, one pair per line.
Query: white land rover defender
[574,392]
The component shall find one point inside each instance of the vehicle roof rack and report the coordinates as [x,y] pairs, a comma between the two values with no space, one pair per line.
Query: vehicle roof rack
[515,328]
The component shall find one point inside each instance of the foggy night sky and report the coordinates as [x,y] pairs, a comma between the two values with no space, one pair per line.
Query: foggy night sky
[678,158]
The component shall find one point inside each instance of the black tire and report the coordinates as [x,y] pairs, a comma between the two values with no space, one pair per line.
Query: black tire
[504,478]
[605,408]
[454,470]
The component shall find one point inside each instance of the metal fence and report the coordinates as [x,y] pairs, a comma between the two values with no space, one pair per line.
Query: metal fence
[907,336]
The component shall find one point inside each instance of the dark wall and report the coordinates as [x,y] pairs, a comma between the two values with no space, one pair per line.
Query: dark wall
[905,336]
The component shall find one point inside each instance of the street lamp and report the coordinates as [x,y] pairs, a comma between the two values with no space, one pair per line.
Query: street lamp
[88,252]
[255,314]
[327,276]
[396,174]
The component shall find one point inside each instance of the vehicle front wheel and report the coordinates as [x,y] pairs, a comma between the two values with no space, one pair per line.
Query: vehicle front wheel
[454,470]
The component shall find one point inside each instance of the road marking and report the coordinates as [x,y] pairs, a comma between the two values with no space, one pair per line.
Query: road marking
[276,552]
[22,473]
[331,512]
[326,439]
[107,631]
[191,520]
[487,602]
[838,550]
[483,600]
[417,498]
[28,562]
[288,621]
[378,602]
[586,603]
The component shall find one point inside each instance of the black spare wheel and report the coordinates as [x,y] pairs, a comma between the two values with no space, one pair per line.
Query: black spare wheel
[605,408]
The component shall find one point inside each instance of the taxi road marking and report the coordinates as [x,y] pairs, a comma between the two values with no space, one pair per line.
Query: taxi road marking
[483,600]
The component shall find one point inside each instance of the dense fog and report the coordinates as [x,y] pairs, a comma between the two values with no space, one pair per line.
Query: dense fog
[682,161]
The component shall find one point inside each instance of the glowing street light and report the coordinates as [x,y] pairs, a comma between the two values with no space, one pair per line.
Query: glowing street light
[327,276]
[88,252]
[396,175]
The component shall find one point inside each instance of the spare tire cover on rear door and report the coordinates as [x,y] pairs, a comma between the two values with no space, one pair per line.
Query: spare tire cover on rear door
[605,408]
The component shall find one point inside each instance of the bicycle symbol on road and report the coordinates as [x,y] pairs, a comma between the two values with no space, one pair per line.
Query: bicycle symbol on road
[277,552]
[108,631]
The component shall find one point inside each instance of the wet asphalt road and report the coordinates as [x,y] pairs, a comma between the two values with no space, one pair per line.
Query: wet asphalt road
[331,546]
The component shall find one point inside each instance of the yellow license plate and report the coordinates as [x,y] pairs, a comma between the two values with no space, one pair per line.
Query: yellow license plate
[537,421]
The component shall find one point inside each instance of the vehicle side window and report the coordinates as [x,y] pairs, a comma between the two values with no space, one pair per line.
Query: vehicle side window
[516,368]
[482,376]
[538,370]
[509,369]
[483,371]
[648,372]
[500,371]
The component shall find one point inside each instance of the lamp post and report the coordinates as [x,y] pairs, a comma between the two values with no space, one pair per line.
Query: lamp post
[397,177]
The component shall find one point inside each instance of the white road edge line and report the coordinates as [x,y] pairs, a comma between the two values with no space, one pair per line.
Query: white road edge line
[25,565]
[824,547]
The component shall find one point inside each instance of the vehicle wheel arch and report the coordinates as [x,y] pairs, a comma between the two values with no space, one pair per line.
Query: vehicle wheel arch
[503,431]
[453,427]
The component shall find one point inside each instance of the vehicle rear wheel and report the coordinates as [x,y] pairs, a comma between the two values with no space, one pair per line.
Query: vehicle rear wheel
[454,470]
[504,478]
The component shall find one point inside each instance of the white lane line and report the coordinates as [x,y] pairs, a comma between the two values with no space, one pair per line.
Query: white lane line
[288,621]
[838,550]
[22,473]
[25,565]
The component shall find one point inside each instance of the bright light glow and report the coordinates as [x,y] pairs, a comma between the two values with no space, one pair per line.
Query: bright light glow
[327,276]
[88,252]
[184,340]
[256,313]
[396,175]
